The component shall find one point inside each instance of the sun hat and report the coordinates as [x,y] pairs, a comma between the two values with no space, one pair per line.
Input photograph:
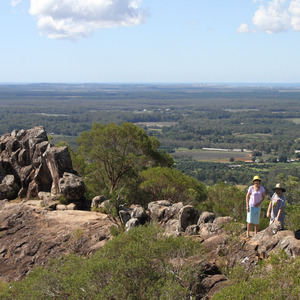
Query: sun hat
[256,178]
[278,186]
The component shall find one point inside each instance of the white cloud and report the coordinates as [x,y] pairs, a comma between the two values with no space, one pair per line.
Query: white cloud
[294,10]
[15,2]
[277,16]
[70,19]
[244,28]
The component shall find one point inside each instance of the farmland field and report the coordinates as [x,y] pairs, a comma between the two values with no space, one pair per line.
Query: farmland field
[294,120]
[211,155]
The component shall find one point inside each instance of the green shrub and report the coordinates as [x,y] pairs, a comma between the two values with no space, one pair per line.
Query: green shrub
[279,278]
[226,200]
[171,184]
[133,265]
[292,219]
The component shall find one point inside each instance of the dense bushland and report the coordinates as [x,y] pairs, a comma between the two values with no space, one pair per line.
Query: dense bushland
[140,264]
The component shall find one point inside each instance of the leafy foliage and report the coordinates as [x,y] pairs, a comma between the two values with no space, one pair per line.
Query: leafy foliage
[116,154]
[226,200]
[277,279]
[166,183]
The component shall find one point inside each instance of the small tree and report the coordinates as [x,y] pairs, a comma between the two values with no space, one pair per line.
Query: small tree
[116,154]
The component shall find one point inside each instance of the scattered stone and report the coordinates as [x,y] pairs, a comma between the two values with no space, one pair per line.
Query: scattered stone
[206,217]
[125,215]
[133,222]
[192,230]
[61,207]
[104,204]
[96,201]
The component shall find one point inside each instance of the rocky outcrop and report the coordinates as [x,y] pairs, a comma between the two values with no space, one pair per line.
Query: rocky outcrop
[29,164]
[31,235]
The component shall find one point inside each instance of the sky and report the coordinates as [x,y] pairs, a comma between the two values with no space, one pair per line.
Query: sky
[150,41]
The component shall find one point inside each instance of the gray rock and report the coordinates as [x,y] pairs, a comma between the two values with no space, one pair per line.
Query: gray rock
[192,230]
[27,155]
[133,222]
[49,201]
[8,188]
[157,209]
[72,206]
[58,161]
[220,221]
[188,215]
[61,207]
[206,217]
[172,212]
[172,228]
[104,204]
[125,215]
[96,201]
[72,187]
[139,213]
[7,191]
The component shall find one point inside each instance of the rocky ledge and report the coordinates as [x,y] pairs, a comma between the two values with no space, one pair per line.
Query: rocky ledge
[30,235]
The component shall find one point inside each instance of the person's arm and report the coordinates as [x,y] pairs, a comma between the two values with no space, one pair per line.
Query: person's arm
[279,213]
[269,210]
[247,201]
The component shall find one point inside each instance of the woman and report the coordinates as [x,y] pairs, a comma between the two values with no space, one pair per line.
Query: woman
[277,205]
[254,199]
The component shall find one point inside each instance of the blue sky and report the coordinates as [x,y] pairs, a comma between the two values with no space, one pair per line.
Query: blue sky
[158,41]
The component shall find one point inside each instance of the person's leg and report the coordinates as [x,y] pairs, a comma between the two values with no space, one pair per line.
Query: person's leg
[248,229]
[256,228]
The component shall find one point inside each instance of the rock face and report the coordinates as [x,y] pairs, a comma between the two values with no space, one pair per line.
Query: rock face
[31,235]
[29,165]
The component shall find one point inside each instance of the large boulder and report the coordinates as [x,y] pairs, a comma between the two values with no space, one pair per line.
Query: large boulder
[36,166]
[72,187]
[8,187]
[58,161]
[188,215]
[140,214]
[172,228]
[172,212]
[157,209]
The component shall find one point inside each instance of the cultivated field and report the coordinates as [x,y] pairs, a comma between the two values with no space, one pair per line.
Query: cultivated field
[211,155]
